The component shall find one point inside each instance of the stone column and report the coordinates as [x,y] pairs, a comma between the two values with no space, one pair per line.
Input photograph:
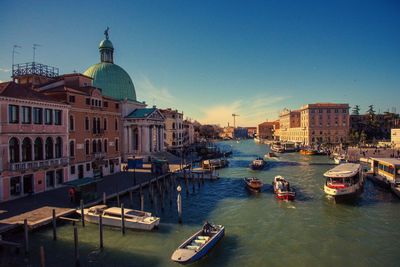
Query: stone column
[140,140]
[129,143]
[151,138]
[145,141]
[162,137]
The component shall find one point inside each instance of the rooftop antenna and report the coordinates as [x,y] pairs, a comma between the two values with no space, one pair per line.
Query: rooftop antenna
[234,119]
[154,101]
[35,46]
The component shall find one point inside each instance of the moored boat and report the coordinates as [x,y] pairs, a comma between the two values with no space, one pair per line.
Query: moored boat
[345,180]
[308,151]
[199,244]
[277,148]
[270,155]
[395,187]
[340,159]
[134,219]
[282,189]
[253,183]
[384,171]
[257,164]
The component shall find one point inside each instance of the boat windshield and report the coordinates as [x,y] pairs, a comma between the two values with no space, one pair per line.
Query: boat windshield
[339,182]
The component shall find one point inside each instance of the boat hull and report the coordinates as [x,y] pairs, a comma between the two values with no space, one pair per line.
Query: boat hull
[344,193]
[289,196]
[253,186]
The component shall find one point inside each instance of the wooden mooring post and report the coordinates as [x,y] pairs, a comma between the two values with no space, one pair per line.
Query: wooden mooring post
[186,182]
[179,203]
[118,199]
[104,198]
[26,236]
[82,214]
[141,201]
[54,225]
[131,197]
[101,230]
[76,251]
[42,257]
[122,219]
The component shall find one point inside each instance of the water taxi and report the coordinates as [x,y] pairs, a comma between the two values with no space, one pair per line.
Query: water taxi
[253,183]
[199,244]
[282,189]
[257,164]
[345,180]
[277,147]
[384,171]
[134,219]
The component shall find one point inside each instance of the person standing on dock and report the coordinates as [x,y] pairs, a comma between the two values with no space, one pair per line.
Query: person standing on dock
[71,193]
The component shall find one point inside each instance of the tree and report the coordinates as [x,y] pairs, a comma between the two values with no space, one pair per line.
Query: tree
[371,111]
[356,110]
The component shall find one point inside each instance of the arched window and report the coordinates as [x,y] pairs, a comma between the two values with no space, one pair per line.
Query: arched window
[99,145]
[173,125]
[14,150]
[105,146]
[71,123]
[71,148]
[98,125]
[38,148]
[94,125]
[26,149]
[49,148]
[116,124]
[105,124]
[58,147]
[87,147]
[116,145]
[86,123]
[94,146]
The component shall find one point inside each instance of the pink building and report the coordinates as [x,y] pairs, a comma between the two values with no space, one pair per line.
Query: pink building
[33,142]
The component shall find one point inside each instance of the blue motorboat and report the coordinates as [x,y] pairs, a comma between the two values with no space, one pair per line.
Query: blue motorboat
[257,164]
[199,244]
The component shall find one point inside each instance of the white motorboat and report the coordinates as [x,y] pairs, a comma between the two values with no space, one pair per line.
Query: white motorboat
[134,219]
[339,159]
[344,180]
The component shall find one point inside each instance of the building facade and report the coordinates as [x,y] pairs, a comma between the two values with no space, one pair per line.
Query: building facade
[315,124]
[267,130]
[94,126]
[33,142]
[395,138]
[188,133]
[174,131]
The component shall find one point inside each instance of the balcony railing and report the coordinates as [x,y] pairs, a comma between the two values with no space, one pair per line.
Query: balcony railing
[37,164]
[100,155]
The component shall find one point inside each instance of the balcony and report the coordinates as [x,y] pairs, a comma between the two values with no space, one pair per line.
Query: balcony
[99,155]
[98,132]
[38,164]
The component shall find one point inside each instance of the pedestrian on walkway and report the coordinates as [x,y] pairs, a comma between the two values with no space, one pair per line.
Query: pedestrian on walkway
[71,193]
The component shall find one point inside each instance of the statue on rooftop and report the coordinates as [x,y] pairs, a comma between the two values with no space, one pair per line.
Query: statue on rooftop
[106,32]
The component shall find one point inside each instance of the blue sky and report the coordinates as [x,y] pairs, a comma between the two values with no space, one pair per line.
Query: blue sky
[213,58]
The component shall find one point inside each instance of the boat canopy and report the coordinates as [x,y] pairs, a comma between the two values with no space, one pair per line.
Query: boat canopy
[343,170]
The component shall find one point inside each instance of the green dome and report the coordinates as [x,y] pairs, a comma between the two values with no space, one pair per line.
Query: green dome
[106,44]
[112,79]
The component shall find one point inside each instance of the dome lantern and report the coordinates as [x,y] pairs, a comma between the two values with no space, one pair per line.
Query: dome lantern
[106,49]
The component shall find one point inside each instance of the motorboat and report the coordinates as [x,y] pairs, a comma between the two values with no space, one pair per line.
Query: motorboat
[199,244]
[257,164]
[282,189]
[339,159]
[308,151]
[277,148]
[344,180]
[214,163]
[253,183]
[112,216]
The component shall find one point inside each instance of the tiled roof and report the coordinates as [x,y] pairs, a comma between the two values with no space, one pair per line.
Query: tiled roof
[141,113]
[14,90]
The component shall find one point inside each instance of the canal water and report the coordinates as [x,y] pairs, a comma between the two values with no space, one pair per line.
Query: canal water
[260,230]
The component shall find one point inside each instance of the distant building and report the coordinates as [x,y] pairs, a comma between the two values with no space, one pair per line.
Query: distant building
[227,132]
[251,131]
[34,152]
[188,133]
[240,132]
[383,122]
[395,138]
[315,124]
[267,130]
[173,129]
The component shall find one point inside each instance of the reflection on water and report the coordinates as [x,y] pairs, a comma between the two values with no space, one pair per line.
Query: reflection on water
[260,230]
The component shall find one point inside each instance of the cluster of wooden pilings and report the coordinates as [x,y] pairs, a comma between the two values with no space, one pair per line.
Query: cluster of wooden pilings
[161,192]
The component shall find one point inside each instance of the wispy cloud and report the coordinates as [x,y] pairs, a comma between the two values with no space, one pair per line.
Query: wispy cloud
[4,69]
[252,111]
[149,91]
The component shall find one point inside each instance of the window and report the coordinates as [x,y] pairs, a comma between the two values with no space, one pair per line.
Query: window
[13,145]
[57,117]
[15,186]
[58,147]
[105,124]
[94,125]
[94,146]
[87,124]
[92,102]
[71,123]
[72,169]
[37,115]
[99,148]
[49,148]
[71,99]
[87,147]
[116,124]
[59,176]
[48,116]
[344,110]
[116,105]
[336,111]
[26,115]
[116,145]
[72,149]
[105,145]
[87,167]
[13,114]
[105,104]
[49,179]
[26,149]
[38,149]
[87,100]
